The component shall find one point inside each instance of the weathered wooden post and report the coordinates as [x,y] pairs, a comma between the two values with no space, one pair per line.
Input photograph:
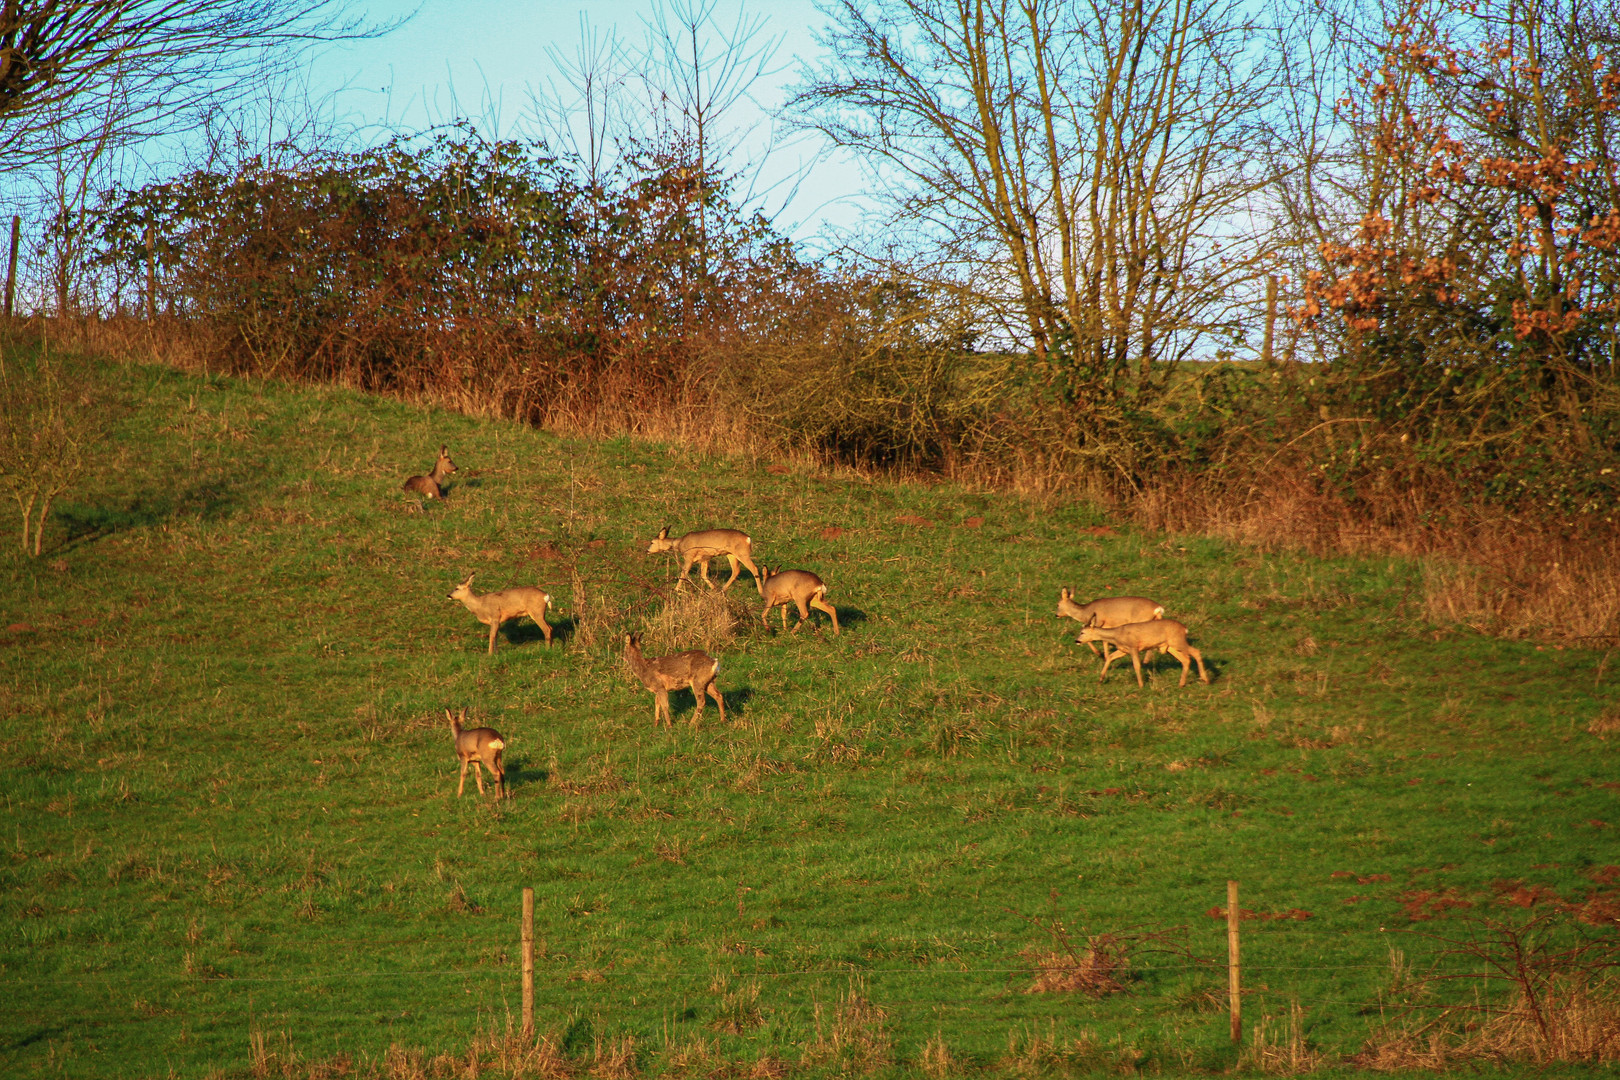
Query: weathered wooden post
[11,267]
[151,275]
[1271,318]
[528,963]
[1233,991]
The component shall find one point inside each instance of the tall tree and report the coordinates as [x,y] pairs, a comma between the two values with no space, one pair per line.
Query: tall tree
[1087,172]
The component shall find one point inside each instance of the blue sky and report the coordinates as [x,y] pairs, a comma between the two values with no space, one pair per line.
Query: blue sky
[482,59]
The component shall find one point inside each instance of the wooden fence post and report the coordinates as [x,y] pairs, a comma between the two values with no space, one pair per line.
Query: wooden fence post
[528,963]
[151,276]
[1271,319]
[1233,992]
[11,267]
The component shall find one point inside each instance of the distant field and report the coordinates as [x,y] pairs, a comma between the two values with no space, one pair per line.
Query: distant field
[233,842]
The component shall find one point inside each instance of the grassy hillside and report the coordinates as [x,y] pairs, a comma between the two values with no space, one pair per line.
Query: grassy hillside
[233,840]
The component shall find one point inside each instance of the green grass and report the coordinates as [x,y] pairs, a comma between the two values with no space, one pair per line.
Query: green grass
[229,789]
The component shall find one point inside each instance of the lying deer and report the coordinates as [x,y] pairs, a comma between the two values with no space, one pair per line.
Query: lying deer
[1166,635]
[482,745]
[494,608]
[695,669]
[429,485]
[700,547]
[797,587]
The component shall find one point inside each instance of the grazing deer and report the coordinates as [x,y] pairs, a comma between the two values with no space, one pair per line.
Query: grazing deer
[695,669]
[700,547]
[1106,611]
[482,745]
[429,485]
[494,608]
[1166,635]
[797,587]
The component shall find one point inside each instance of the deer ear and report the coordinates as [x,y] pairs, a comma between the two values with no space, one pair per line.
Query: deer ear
[448,717]
[663,534]
[1064,593]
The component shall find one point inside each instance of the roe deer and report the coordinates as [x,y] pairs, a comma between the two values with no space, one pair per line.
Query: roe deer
[700,547]
[1106,611]
[797,587]
[662,674]
[494,608]
[1165,635]
[429,485]
[482,745]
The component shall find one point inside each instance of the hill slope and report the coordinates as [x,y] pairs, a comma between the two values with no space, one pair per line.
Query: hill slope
[235,838]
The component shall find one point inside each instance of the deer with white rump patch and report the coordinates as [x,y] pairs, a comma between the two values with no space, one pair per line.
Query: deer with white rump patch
[800,588]
[429,485]
[695,668]
[1165,635]
[494,608]
[699,547]
[480,747]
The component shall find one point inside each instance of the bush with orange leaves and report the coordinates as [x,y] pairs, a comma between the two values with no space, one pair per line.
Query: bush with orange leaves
[1473,305]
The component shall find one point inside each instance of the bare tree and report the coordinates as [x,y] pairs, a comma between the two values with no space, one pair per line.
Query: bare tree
[171,58]
[698,72]
[581,110]
[1087,172]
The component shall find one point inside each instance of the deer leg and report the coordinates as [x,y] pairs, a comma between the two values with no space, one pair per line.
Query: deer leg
[736,568]
[463,785]
[1203,676]
[545,627]
[804,613]
[1108,662]
[1136,659]
[714,692]
[704,564]
[697,696]
[500,776]
[784,616]
[478,774]
[818,602]
[1090,646]
[493,627]
[1186,663]
[752,569]
[686,568]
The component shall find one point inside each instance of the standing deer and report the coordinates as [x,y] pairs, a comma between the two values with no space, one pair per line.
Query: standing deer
[1166,635]
[482,745]
[695,668]
[798,587]
[1106,611]
[494,608]
[700,547]
[429,485]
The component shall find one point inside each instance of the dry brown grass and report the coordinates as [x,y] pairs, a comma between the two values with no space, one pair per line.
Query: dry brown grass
[936,1059]
[855,1038]
[695,617]
[1094,970]
[1577,1022]
[1501,574]
[1276,1052]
